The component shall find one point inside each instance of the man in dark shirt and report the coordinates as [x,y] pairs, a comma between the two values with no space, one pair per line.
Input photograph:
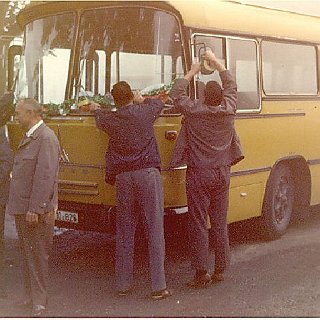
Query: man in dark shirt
[133,164]
[209,145]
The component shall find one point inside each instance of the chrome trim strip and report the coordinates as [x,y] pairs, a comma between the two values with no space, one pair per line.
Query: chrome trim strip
[48,119]
[233,174]
[313,162]
[174,169]
[79,192]
[81,165]
[270,115]
[250,171]
[93,166]
[78,183]
[286,97]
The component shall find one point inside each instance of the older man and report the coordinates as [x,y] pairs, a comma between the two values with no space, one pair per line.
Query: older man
[33,200]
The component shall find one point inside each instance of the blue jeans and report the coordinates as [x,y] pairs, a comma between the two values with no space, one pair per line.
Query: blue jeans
[208,195]
[142,187]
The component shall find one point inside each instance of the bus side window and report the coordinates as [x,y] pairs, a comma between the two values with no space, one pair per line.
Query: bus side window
[289,68]
[240,57]
[243,64]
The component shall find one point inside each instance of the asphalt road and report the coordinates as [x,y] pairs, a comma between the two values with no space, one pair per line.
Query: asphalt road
[265,279]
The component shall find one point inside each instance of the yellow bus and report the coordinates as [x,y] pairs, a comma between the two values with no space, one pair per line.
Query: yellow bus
[75,51]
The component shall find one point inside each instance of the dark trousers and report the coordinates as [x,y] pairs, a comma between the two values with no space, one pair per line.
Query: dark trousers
[2,248]
[35,242]
[208,195]
[143,189]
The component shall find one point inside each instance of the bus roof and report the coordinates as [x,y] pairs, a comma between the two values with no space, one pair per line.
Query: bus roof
[228,16]
[236,17]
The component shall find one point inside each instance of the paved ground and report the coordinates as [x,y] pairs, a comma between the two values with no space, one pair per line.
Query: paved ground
[266,279]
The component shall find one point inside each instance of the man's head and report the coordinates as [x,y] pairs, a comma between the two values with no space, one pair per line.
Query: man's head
[122,94]
[28,112]
[213,94]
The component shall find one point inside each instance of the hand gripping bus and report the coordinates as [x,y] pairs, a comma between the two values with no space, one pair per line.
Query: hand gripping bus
[75,51]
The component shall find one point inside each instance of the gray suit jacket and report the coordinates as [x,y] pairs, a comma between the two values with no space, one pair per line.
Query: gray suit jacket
[6,161]
[34,184]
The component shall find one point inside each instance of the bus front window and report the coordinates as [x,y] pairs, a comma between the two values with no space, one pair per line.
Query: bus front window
[44,65]
[138,45]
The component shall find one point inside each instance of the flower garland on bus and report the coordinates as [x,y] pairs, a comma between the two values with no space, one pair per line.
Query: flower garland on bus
[71,106]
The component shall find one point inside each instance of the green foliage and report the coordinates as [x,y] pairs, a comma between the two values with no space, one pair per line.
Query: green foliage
[164,89]
[70,105]
[104,101]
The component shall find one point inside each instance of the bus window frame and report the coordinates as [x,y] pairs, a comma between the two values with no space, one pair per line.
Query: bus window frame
[258,62]
[75,71]
[286,96]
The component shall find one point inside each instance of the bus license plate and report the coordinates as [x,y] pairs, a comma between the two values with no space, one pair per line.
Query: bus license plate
[67,216]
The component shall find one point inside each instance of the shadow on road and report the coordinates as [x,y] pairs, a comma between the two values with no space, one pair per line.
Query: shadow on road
[82,272]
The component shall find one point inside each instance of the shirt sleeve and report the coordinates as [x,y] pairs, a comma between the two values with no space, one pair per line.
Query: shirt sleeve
[229,86]
[182,102]
[101,119]
[155,105]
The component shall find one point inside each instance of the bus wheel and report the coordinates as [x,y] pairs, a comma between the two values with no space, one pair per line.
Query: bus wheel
[278,202]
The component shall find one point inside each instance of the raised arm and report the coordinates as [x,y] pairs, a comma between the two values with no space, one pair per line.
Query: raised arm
[179,95]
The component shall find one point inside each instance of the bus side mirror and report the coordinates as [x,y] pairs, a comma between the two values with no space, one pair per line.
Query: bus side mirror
[13,52]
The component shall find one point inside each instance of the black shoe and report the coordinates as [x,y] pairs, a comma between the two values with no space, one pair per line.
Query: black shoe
[200,281]
[217,277]
[38,311]
[124,293]
[162,294]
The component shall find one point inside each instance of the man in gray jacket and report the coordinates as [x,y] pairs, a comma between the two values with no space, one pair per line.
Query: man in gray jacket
[209,145]
[33,200]
[6,160]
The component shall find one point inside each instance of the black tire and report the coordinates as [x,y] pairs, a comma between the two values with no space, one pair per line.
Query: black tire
[278,202]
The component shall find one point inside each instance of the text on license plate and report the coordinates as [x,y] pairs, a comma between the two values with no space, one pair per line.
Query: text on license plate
[67,216]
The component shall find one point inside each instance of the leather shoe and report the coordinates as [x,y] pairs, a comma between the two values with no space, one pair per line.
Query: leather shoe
[200,281]
[38,310]
[24,303]
[217,277]
[162,294]
[124,293]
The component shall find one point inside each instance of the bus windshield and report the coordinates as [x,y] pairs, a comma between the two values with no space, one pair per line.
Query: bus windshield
[138,45]
[44,65]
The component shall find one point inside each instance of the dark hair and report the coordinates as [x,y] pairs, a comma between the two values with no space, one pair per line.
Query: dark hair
[213,94]
[122,93]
